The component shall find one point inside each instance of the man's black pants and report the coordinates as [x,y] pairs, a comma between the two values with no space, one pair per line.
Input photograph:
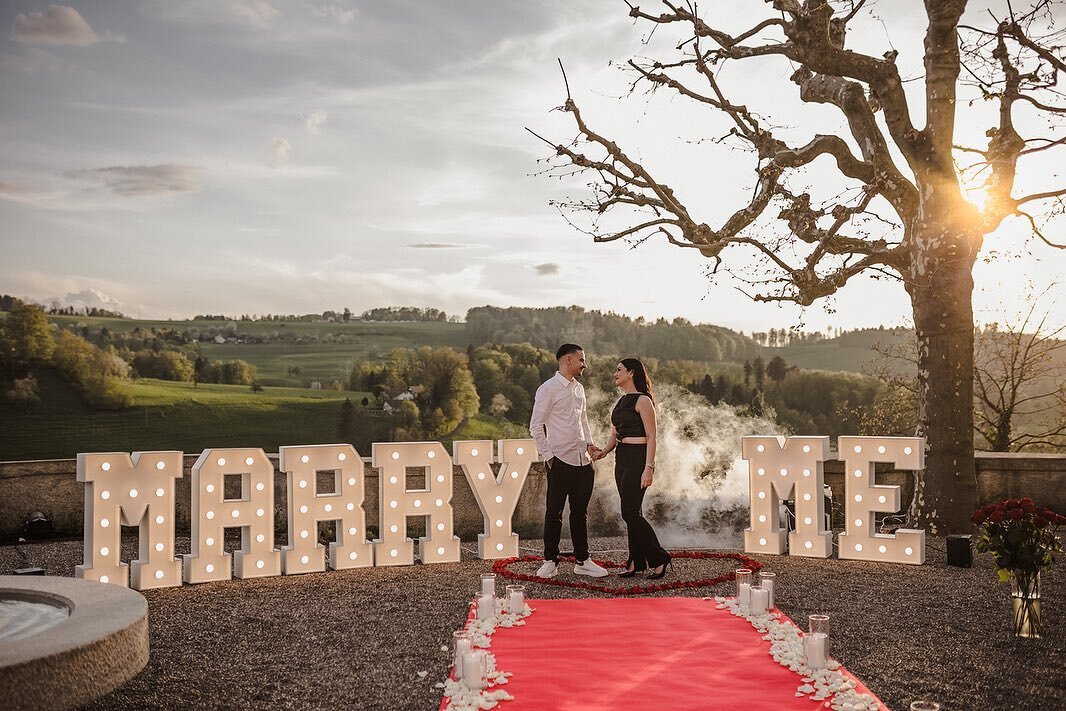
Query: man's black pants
[566,481]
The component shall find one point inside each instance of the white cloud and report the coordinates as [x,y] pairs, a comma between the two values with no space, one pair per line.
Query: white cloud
[255,12]
[89,298]
[33,61]
[138,181]
[282,149]
[314,120]
[59,25]
[343,15]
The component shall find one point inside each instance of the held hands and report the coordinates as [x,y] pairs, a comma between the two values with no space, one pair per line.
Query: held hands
[595,453]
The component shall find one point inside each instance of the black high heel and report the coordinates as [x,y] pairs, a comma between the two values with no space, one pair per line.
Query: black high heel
[668,565]
[631,573]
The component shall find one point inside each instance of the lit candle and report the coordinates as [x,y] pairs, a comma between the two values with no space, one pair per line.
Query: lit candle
[488,584]
[486,607]
[474,670]
[759,599]
[814,649]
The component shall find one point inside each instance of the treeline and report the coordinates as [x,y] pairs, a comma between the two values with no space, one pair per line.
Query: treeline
[403,313]
[27,344]
[96,363]
[432,390]
[8,303]
[807,402]
[601,333]
[383,313]
[860,337]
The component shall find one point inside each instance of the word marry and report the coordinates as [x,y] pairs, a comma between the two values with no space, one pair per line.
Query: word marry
[791,468]
[138,490]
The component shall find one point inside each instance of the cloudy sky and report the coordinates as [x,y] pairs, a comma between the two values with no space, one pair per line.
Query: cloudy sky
[264,156]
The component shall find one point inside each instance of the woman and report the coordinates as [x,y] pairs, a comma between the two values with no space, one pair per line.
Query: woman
[633,433]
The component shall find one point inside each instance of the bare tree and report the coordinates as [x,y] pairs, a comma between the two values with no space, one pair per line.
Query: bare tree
[1020,386]
[887,165]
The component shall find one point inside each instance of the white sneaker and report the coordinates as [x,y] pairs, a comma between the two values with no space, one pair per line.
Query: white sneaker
[591,568]
[549,569]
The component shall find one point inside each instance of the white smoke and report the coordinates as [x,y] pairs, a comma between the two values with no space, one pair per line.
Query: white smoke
[699,498]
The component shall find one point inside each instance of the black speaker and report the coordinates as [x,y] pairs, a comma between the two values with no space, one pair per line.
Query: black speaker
[960,552]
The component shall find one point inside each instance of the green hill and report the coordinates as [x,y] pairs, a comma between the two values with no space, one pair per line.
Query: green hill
[851,352]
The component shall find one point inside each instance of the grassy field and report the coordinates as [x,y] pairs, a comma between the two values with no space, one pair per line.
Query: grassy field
[323,351]
[167,415]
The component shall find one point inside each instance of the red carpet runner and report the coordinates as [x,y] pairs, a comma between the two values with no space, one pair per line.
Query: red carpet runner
[641,653]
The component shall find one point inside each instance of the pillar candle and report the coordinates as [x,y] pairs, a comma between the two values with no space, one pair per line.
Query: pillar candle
[768,586]
[474,670]
[814,650]
[759,599]
[486,607]
[516,602]
[488,584]
[744,596]
[462,646]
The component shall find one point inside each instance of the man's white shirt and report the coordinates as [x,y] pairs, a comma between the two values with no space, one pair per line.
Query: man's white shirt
[560,423]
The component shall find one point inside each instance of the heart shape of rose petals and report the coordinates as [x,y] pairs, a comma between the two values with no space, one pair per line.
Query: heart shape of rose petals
[502,568]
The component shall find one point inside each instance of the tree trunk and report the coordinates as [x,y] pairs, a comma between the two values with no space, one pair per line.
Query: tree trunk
[941,288]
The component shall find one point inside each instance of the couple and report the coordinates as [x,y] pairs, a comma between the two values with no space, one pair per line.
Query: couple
[560,428]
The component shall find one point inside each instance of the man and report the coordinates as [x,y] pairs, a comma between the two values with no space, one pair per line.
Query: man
[560,429]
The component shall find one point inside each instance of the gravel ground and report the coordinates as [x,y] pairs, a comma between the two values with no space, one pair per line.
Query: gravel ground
[357,639]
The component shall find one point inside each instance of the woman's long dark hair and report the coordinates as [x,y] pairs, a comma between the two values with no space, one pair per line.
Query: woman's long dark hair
[641,379]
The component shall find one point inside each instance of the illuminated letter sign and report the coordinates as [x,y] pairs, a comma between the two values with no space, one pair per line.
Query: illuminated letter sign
[779,467]
[434,502]
[307,508]
[212,513]
[135,490]
[864,498]
[497,496]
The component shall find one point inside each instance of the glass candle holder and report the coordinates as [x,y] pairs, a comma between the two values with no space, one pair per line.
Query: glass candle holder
[474,670]
[488,584]
[815,650]
[516,599]
[744,588]
[760,600]
[486,607]
[768,581]
[819,624]
[460,646]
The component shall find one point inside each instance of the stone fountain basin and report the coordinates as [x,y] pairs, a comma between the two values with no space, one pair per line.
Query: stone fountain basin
[66,662]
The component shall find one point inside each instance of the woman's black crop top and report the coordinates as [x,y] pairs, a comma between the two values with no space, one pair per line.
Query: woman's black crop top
[626,419]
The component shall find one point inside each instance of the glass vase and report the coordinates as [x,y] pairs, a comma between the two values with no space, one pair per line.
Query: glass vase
[1025,598]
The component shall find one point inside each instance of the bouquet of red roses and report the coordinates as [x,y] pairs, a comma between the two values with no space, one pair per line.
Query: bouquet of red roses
[1020,534]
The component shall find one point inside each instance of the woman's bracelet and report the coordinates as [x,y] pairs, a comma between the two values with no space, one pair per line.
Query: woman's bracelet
[649,465]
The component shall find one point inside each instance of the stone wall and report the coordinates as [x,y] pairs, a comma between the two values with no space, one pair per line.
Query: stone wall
[51,487]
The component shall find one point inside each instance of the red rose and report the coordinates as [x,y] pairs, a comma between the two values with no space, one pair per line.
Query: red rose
[1016,514]
[996,516]
[1028,507]
[1041,522]
[978,517]
[989,509]
[1026,500]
